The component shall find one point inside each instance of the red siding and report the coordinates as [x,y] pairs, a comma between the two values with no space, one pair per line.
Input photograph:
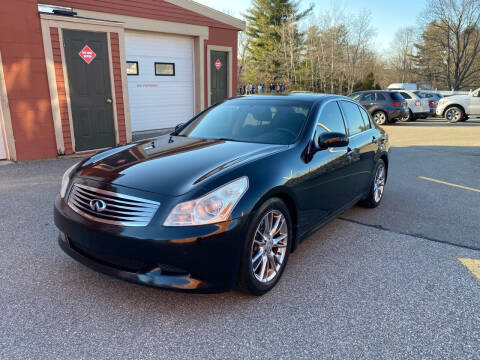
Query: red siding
[117,79]
[223,37]
[62,95]
[24,66]
[150,9]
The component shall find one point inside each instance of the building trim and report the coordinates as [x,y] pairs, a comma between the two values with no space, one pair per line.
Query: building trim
[6,118]
[228,50]
[138,23]
[210,13]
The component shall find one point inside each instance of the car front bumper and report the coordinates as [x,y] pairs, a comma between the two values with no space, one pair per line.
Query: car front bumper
[201,259]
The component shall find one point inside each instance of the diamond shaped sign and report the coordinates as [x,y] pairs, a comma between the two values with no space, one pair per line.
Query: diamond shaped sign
[218,64]
[87,54]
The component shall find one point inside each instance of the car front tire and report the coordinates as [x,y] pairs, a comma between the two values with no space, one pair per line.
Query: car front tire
[380,117]
[267,247]
[454,114]
[377,187]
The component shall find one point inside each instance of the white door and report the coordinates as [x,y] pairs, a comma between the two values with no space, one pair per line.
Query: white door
[3,145]
[162,92]
[475,103]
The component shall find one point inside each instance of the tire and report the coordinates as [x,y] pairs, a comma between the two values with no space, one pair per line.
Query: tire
[408,117]
[372,199]
[380,117]
[454,114]
[259,273]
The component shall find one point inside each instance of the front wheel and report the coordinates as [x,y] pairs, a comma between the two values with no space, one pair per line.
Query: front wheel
[380,117]
[454,114]
[268,244]
[375,194]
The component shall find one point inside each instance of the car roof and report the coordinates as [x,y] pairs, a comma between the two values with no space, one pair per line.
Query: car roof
[311,98]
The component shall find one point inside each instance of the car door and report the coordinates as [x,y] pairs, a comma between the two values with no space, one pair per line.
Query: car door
[326,186]
[475,103]
[362,147]
[368,100]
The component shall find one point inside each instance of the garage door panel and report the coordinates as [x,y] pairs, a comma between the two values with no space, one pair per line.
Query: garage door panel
[158,102]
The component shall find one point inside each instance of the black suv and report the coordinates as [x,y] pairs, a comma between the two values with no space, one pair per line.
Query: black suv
[385,107]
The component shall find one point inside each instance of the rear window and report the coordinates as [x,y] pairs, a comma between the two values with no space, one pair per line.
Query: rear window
[396,96]
[421,96]
[405,95]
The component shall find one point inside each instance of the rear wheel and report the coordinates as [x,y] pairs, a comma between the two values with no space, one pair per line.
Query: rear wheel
[407,117]
[268,244]
[380,117]
[454,114]
[375,194]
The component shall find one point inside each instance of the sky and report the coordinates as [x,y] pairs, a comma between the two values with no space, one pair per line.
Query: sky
[387,15]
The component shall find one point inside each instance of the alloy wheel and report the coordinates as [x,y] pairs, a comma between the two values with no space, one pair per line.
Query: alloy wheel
[453,114]
[379,183]
[269,246]
[380,118]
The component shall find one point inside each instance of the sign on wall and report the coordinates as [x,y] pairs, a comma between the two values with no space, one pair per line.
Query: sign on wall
[87,54]
[218,64]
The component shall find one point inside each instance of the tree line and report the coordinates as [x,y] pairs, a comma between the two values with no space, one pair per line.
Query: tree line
[334,51]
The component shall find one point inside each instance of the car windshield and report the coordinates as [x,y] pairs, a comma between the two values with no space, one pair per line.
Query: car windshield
[257,121]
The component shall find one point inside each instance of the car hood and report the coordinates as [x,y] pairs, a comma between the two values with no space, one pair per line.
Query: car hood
[171,165]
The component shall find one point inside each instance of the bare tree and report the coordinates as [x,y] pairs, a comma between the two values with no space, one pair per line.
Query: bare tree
[403,52]
[456,22]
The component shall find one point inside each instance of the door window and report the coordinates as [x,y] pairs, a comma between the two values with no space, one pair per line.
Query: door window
[331,120]
[366,118]
[380,97]
[368,97]
[354,118]
[405,95]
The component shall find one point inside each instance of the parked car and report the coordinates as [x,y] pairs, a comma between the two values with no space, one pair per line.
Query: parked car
[386,107]
[432,97]
[226,197]
[459,107]
[418,107]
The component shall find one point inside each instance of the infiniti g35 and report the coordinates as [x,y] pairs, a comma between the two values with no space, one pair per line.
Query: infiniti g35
[227,197]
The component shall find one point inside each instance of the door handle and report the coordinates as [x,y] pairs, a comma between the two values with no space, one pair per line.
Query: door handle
[374,140]
[108,100]
[350,152]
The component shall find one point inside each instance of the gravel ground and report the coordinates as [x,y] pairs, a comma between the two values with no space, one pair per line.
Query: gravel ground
[383,283]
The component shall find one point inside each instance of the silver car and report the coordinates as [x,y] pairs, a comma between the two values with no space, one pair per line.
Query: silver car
[417,107]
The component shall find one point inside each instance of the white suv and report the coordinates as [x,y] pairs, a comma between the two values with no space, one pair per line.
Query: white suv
[418,108]
[459,107]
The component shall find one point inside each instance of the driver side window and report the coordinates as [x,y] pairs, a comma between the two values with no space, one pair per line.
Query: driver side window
[330,120]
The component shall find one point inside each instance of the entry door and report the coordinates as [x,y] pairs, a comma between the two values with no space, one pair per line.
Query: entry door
[3,145]
[90,94]
[219,76]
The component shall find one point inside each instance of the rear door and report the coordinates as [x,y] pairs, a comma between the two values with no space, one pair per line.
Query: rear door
[475,103]
[361,148]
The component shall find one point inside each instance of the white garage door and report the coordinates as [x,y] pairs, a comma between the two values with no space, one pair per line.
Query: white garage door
[159,99]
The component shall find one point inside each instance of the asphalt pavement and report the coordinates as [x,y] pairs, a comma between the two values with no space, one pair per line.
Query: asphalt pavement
[383,283]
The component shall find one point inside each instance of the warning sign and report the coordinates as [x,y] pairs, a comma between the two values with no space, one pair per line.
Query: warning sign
[218,64]
[87,54]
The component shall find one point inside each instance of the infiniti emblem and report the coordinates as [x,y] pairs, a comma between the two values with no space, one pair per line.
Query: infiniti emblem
[98,205]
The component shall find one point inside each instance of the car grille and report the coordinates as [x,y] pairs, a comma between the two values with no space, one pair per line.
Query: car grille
[110,207]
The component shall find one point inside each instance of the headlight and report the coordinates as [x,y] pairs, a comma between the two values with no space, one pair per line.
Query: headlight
[214,207]
[66,180]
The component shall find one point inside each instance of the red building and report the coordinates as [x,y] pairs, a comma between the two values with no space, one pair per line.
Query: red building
[83,75]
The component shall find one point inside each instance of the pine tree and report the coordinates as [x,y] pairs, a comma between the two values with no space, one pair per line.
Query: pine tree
[269,25]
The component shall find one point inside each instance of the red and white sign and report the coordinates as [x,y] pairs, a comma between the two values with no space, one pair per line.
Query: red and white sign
[87,54]
[218,64]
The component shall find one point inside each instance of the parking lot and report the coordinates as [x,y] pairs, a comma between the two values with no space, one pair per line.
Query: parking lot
[382,283]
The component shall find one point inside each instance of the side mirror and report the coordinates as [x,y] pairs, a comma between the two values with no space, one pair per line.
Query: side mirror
[331,139]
